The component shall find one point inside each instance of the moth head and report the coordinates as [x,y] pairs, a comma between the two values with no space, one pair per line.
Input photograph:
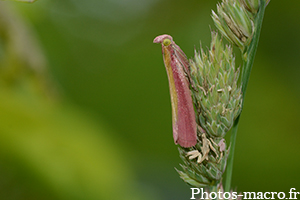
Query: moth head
[165,40]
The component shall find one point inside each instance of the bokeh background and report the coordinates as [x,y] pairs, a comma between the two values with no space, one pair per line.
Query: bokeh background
[85,109]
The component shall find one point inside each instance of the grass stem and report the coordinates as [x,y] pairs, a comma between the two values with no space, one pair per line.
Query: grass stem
[247,67]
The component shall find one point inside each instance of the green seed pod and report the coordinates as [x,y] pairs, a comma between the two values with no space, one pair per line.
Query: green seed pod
[250,5]
[218,96]
[205,163]
[234,22]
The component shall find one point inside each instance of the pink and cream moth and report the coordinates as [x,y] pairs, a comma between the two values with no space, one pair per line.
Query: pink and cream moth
[183,114]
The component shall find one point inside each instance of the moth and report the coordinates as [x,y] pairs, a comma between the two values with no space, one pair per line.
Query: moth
[183,114]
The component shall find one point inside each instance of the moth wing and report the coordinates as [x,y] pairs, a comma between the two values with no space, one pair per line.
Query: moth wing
[184,128]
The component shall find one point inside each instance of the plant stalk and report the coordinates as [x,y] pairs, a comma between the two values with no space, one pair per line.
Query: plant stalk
[247,67]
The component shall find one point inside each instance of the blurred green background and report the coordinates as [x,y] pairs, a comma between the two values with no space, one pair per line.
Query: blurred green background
[85,109]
